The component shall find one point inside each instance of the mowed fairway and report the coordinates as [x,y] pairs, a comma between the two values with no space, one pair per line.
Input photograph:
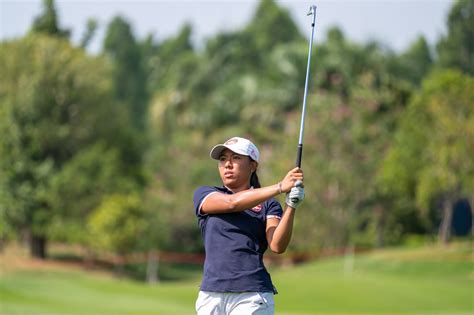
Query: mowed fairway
[428,280]
[432,280]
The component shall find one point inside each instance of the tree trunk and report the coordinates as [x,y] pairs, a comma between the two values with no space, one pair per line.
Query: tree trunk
[152,267]
[471,208]
[38,246]
[446,222]
[379,225]
[119,265]
[2,244]
[89,258]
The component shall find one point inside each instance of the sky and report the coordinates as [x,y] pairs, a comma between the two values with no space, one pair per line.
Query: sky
[395,23]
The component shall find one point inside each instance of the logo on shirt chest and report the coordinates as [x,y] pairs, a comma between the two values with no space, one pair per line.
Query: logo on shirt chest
[257,208]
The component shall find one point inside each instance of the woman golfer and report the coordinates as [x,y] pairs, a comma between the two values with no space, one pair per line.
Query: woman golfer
[238,222]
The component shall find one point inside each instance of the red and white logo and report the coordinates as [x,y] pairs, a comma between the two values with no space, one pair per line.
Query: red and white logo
[257,208]
[231,141]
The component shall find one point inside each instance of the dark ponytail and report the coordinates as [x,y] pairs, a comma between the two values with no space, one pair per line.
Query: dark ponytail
[254,182]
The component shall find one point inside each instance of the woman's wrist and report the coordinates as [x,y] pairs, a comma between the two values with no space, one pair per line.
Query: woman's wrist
[279,188]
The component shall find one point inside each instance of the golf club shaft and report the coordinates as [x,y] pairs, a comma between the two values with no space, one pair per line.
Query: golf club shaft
[299,155]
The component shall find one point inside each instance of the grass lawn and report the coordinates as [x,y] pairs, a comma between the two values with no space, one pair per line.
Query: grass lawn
[428,280]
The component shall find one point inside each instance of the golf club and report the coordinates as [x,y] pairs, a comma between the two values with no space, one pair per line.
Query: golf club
[312,11]
[299,156]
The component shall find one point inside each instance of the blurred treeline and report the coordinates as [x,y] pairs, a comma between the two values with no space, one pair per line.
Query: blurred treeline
[106,150]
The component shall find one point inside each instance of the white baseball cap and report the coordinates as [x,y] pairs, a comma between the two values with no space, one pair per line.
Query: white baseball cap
[238,145]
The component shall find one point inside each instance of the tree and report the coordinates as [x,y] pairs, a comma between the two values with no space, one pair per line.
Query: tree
[117,225]
[272,25]
[456,49]
[78,188]
[172,62]
[91,28]
[47,22]
[177,45]
[416,62]
[431,159]
[335,63]
[55,101]
[129,79]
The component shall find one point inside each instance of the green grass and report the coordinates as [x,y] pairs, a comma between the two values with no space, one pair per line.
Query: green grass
[79,293]
[391,282]
[432,280]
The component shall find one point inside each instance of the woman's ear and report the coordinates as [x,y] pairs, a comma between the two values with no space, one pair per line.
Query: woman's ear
[254,166]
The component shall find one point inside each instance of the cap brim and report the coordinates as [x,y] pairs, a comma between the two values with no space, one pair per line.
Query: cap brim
[217,150]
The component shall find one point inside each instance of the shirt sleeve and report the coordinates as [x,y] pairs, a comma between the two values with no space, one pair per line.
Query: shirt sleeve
[274,209]
[200,195]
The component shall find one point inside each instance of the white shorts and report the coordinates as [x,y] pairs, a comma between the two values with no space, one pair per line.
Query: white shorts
[245,303]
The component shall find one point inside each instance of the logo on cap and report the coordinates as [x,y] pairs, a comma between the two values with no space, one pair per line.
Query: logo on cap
[231,141]
[252,154]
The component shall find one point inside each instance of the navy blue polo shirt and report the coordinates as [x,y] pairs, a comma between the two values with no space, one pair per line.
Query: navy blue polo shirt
[234,244]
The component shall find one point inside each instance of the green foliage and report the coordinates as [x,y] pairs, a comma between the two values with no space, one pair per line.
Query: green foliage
[334,64]
[177,45]
[91,28]
[129,78]
[43,117]
[56,104]
[456,49]
[233,81]
[416,62]
[78,188]
[447,100]
[47,23]
[117,225]
[272,25]
[385,139]
[363,91]
[436,129]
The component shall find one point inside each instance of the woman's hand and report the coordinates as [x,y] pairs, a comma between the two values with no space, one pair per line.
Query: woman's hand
[290,179]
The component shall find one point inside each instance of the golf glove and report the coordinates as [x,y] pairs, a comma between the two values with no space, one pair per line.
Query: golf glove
[295,196]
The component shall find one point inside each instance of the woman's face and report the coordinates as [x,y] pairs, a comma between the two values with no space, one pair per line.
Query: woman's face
[235,169]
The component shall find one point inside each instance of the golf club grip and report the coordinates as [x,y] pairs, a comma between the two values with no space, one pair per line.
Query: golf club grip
[299,155]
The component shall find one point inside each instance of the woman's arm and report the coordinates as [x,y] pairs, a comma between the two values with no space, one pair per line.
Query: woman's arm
[247,199]
[279,231]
